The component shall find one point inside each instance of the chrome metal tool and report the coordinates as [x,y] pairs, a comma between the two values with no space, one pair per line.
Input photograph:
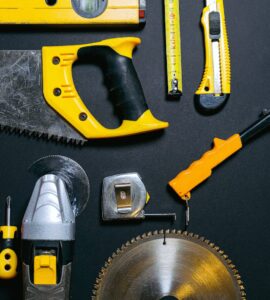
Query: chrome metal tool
[169,265]
[48,228]
[124,197]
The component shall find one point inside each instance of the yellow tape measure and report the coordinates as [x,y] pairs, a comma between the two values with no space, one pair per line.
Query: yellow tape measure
[173,48]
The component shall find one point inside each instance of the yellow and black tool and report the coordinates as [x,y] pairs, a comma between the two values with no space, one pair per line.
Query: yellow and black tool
[201,169]
[48,228]
[173,48]
[73,12]
[48,92]
[215,88]
[8,256]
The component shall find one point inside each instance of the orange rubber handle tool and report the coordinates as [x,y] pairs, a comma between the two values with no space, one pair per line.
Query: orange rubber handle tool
[201,169]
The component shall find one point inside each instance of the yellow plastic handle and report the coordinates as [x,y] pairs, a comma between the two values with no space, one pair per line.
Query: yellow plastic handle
[8,257]
[8,264]
[201,169]
[207,83]
[60,92]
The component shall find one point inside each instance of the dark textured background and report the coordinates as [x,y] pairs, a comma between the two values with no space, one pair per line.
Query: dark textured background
[231,209]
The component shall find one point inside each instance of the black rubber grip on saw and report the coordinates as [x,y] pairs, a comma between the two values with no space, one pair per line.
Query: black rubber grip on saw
[210,104]
[121,79]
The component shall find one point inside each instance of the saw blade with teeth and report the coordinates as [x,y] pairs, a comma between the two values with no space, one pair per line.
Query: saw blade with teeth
[169,265]
[23,108]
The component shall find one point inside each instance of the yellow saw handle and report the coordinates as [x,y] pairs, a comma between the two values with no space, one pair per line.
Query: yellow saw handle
[206,99]
[114,57]
[201,169]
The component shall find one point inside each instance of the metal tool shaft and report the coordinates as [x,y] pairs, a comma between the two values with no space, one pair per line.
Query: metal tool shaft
[159,215]
[8,211]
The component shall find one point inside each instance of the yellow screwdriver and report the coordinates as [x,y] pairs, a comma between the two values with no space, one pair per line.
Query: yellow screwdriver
[8,257]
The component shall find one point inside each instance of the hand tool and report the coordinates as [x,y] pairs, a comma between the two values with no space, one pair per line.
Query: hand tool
[48,228]
[215,88]
[73,12]
[25,74]
[173,48]
[8,256]
[201,169]
[168,265]
[124,197]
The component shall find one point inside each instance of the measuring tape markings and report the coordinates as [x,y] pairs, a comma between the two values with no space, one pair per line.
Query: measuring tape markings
[173,46]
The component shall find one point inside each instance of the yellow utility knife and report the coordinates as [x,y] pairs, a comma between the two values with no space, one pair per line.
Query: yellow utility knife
[215,87]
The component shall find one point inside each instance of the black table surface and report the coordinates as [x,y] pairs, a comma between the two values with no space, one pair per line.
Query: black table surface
[231,209]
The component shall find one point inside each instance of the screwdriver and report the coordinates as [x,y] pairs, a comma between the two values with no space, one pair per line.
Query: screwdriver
[8,257]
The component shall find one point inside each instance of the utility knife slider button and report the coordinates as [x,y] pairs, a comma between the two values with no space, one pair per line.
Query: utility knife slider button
[214,25]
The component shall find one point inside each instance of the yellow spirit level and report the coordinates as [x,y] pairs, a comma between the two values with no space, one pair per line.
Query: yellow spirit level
[173,48]
[72,12]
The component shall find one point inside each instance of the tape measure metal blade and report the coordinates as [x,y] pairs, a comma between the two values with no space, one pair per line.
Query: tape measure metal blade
[173,48]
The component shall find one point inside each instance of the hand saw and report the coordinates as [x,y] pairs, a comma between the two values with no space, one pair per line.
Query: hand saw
[215,87]
[201,169]
[36,88]
[72,12]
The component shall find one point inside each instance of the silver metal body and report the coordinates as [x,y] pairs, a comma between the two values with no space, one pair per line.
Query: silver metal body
[60,194]
[49,214]
[75,179]
[22,105]
[163,264]
[123,197]
[215,53]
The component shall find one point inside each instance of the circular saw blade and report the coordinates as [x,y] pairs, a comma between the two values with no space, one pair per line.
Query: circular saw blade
[74,176]
[169,265]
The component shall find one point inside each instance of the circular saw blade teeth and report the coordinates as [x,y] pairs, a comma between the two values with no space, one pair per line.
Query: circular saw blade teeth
[160,234]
